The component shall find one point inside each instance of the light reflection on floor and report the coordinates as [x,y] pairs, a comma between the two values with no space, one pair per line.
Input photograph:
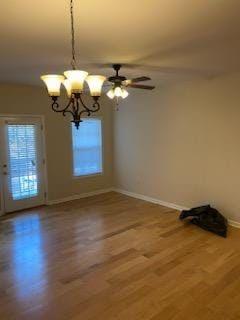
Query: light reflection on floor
[27,255]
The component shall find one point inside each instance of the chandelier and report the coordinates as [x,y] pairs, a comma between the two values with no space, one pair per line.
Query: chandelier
[73,81]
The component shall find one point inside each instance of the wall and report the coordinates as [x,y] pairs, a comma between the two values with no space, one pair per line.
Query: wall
[181,144]
[19,100]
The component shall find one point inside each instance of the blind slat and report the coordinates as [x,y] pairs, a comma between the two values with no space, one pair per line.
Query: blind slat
[87,147]
[22,161]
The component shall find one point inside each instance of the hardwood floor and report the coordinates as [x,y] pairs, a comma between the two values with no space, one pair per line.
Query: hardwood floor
[115,257]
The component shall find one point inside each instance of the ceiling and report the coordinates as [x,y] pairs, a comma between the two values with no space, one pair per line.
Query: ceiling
[167,40]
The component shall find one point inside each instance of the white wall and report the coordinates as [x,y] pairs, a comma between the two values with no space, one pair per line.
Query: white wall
[181,144]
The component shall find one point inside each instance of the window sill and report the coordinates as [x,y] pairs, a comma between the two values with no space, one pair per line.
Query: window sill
[90,175]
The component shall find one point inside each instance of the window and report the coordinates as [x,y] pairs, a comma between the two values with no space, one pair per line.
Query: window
[87,147]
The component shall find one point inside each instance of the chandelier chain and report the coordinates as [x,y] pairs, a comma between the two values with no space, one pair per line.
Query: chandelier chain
[73,62]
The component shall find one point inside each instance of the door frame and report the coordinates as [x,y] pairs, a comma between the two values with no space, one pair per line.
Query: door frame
[45,177]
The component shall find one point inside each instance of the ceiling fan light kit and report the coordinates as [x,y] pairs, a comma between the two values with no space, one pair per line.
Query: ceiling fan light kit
[73,80]
[119,83]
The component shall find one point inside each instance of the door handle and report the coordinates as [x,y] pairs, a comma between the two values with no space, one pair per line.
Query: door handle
[4,172]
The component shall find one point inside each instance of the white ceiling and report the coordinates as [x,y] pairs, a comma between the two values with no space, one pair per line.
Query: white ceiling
[168,39]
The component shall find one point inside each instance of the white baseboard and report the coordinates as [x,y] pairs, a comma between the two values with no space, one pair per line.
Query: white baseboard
[78,196]
[165,204]
[153,200]
[234,223]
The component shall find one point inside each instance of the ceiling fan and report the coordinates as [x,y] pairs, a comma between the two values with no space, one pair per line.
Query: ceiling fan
[119,83]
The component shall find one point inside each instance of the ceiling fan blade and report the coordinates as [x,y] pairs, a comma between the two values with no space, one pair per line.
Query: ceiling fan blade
[135,80]
[140,86]
[140,79]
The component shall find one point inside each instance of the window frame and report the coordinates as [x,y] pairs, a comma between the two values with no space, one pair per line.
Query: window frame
[89,175]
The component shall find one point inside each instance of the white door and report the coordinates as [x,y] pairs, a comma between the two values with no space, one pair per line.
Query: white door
[22,163]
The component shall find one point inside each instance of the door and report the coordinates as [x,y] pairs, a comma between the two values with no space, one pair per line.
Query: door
[22,163]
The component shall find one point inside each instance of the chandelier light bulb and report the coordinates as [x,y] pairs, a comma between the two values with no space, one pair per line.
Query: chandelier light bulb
[111,94]
[95,84]
[76,78]
[53,83]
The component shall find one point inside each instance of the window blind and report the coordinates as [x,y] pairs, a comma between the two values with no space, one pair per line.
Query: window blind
[87,147]
[22,160]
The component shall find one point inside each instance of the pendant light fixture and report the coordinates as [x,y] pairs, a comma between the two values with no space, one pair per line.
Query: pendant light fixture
[73,81]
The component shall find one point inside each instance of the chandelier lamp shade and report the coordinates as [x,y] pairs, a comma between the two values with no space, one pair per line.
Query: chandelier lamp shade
[73,81]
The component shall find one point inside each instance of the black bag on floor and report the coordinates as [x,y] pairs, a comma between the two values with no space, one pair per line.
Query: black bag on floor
[208,219]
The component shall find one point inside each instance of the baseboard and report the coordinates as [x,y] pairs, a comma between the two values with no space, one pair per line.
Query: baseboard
[78,196]
[165,204]
[153,200]
[234,223]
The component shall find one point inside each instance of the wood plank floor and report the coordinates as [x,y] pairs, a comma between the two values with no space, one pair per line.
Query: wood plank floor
[115,257]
